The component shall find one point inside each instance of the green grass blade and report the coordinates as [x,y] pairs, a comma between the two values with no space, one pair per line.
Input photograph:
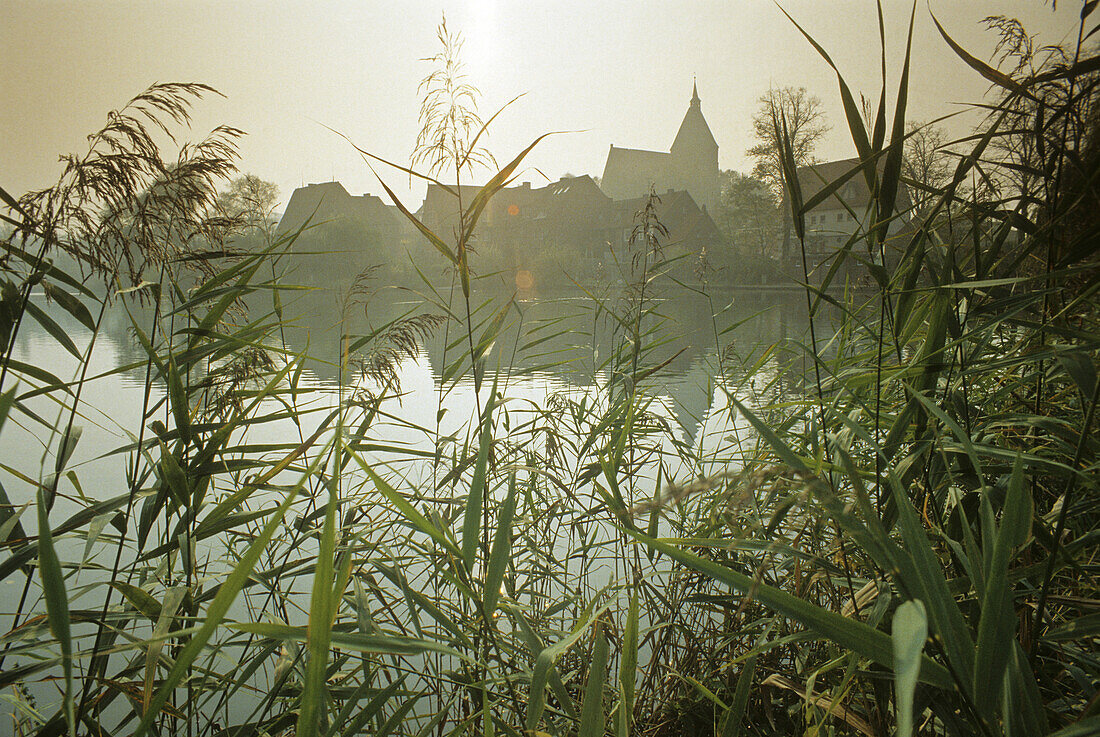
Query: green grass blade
[891,171]
[910,630]
[56,331]
[995,76]
[925,580]
[848,633]
[851,110]
[227,594]
[475,501]
[731,721]
[435,240]
[353,641]
[501,550]
[322,609]
[592,719]
[70,304]
[418,520]
[628,666]
[996,628]
[544,666]
[181,412]
[57,605]
[354,724]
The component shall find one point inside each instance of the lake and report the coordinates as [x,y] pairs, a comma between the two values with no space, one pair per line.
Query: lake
[549,358]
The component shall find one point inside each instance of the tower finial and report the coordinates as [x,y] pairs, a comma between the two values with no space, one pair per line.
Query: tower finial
[694,92]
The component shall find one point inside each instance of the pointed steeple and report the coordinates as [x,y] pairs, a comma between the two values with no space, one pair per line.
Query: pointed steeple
[694,133]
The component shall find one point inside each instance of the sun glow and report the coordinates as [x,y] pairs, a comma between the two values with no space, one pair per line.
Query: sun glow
[482,47]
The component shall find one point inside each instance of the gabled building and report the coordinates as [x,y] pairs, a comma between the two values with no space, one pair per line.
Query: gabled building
[345,235]
[567,227]
[328,203]
[571,215]
[690,164]
[832,223]
[690,228]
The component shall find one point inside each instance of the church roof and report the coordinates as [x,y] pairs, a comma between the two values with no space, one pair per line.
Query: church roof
[637,156]
[631,170]
[694,131]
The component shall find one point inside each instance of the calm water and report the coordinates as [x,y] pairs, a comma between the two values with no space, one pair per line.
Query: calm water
[553,346]
[572,341]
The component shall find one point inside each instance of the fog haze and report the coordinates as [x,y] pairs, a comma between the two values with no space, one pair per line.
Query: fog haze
[610,72]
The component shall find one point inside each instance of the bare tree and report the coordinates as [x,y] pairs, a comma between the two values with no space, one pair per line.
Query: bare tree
[926,163]
[805,120]
[251,200]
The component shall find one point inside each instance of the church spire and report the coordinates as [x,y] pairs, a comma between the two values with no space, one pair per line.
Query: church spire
[694,133]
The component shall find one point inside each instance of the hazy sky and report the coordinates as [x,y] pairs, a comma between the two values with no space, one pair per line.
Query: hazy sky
[617,72]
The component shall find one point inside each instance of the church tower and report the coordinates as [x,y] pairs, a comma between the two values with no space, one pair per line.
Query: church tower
[695,156]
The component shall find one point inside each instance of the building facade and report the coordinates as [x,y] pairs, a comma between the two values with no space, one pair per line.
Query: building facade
[329,204]
[567,228]
[690,164]
[841,216]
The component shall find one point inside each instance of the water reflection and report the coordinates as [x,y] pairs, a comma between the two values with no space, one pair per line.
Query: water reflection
[703,344]
[550,359]
[565,340]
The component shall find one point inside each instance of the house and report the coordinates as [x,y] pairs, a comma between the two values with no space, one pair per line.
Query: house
[833,222]
[345,234]
[328,203]
[552,233]
[566,228]
[690,228]
[690,164]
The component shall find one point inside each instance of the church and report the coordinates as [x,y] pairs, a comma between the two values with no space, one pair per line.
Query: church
[691,164]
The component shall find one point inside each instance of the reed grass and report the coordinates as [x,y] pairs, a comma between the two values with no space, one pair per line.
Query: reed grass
[897,534]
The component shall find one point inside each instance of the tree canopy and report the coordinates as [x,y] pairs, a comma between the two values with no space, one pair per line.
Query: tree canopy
[805,125]
[252,200]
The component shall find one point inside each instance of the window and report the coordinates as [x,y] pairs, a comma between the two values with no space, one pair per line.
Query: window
[839,217]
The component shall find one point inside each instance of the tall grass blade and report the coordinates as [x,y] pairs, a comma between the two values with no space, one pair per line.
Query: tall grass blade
[545,665]
[996,628]
[322,610]
[848,633]
[475,500]
[57,606]
[215,613]
[502,549]
[628,667]
[995,76]
[891,172]
[910,630]
[735,715]
[592,714]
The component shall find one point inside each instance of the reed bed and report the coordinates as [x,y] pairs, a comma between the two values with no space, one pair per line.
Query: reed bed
[896,533]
